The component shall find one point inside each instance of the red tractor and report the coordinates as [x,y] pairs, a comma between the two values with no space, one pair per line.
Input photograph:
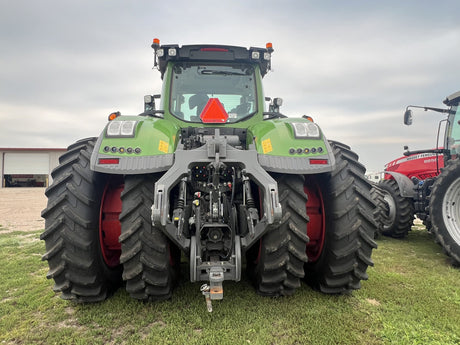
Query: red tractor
[426,183]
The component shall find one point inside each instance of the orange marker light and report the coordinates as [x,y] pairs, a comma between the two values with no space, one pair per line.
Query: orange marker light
[156,41]
[113,116]
[269,47]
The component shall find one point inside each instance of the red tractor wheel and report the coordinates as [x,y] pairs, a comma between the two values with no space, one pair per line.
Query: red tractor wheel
[316,228]
[109,224]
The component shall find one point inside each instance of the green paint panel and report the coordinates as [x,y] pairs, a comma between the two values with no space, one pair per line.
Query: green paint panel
[160,136]
[276,138]
[152,135]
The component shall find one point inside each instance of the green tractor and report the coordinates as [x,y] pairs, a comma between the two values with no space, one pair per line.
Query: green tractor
[208,176]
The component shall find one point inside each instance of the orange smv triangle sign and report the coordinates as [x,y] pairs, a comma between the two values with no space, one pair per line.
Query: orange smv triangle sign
[214,112]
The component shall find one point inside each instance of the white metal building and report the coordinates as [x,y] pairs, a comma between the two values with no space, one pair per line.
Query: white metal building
[28,167]
[375,176]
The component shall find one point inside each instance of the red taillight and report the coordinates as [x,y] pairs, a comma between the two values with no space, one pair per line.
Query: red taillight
[214,112]
[109,160]
[314,161]
[211,49]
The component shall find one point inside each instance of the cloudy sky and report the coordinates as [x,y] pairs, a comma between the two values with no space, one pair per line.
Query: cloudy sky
[352,65]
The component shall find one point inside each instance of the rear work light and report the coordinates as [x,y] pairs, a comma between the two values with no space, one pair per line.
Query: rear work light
[303,130]
[121,128]
[109,160]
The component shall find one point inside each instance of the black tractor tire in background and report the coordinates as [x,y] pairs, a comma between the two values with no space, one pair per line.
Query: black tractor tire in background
[276,263]
[72,237]
[445,210]
[150,261]
[349,226]
[400,217]
[382,210]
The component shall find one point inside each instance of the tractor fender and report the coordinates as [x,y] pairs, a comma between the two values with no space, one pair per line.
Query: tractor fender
[280,150]
[149,149]
[406,187]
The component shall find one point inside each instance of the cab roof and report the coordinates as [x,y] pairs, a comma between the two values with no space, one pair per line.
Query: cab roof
[454,98]
[211,53]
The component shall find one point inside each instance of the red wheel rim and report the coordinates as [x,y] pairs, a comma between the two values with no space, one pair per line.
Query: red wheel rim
[109,223]
[316,228]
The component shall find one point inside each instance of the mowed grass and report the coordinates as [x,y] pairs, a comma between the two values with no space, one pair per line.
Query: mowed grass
[412,297]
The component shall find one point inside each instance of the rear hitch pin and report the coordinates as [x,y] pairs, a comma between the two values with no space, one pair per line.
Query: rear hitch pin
[205,290]
[214,290]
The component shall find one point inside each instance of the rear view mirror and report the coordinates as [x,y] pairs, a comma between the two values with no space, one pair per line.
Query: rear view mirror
[408,117]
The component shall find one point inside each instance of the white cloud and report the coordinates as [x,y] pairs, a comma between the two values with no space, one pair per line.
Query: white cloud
[354,66]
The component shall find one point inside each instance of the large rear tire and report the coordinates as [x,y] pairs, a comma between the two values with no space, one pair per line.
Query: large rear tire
[150,261]
[84,266]
[277,267]
[445,209]
[400,217]
[349,226]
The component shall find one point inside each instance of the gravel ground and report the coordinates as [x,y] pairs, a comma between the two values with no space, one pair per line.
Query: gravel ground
[20,209]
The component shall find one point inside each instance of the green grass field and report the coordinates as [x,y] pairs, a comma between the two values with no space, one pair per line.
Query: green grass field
[412,297]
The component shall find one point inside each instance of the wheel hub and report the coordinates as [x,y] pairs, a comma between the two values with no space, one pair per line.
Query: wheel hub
[451,210]
[390,215]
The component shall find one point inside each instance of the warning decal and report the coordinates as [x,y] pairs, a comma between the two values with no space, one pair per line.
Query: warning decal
[267,145]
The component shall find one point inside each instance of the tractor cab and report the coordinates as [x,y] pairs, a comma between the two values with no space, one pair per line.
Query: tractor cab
[211,84]
[451,146]
[452,136]
[194,85]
